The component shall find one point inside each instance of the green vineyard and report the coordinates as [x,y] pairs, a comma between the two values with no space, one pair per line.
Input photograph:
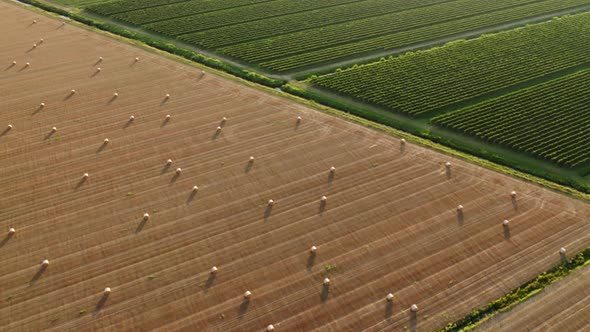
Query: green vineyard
[549,121]
[289,36]
[426,81]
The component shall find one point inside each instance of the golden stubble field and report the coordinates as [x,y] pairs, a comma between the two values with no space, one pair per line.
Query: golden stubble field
[562,307]
[389,223]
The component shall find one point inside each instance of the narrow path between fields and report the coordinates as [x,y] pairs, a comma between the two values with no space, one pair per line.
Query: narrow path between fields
[326,68]
[435,42]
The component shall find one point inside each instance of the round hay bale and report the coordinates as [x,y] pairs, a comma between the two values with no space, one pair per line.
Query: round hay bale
[11,231]
[414,308]
[247,295]
[214,270]
[107,291]
[45,262]
[389,297]
[327,282]
[313,249]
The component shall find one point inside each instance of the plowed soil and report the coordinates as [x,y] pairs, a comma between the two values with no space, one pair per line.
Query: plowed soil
[389,224]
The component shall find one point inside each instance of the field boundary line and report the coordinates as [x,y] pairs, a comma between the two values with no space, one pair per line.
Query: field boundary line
[490,165]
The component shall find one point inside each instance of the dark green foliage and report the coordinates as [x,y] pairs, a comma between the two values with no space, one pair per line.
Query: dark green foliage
[426,81]
[549,121]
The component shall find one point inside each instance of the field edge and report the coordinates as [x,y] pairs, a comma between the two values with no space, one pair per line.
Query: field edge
[297,94]
[520,294]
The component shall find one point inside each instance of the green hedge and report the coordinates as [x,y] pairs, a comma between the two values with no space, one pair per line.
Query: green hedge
[170,48]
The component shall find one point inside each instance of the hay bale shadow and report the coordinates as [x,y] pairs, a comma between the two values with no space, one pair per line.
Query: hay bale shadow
[37,275]
[248,167]
[460,217]
[507,232]
[141,225]
[101,303]
[192,196]
[69,96]
[413,321]
[310,261]
[325,293]
[5,240]
[209,282]
[174,178]
[10,66]
[331,177]
[165,169]
[80,183]
[267,211]
[165,122]
[388,311]
[448,172]
[101,148]
[243,308]
[48,135]
[37,110]
[322,208]
[112,99]
[5,131]
[514,203]
[127,124]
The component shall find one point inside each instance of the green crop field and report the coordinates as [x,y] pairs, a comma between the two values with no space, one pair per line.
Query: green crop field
[550,120]
[288,36]
[427,81]
[80,3]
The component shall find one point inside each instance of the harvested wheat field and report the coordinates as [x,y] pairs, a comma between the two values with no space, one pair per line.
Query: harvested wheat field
[563,307]
[117,214]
